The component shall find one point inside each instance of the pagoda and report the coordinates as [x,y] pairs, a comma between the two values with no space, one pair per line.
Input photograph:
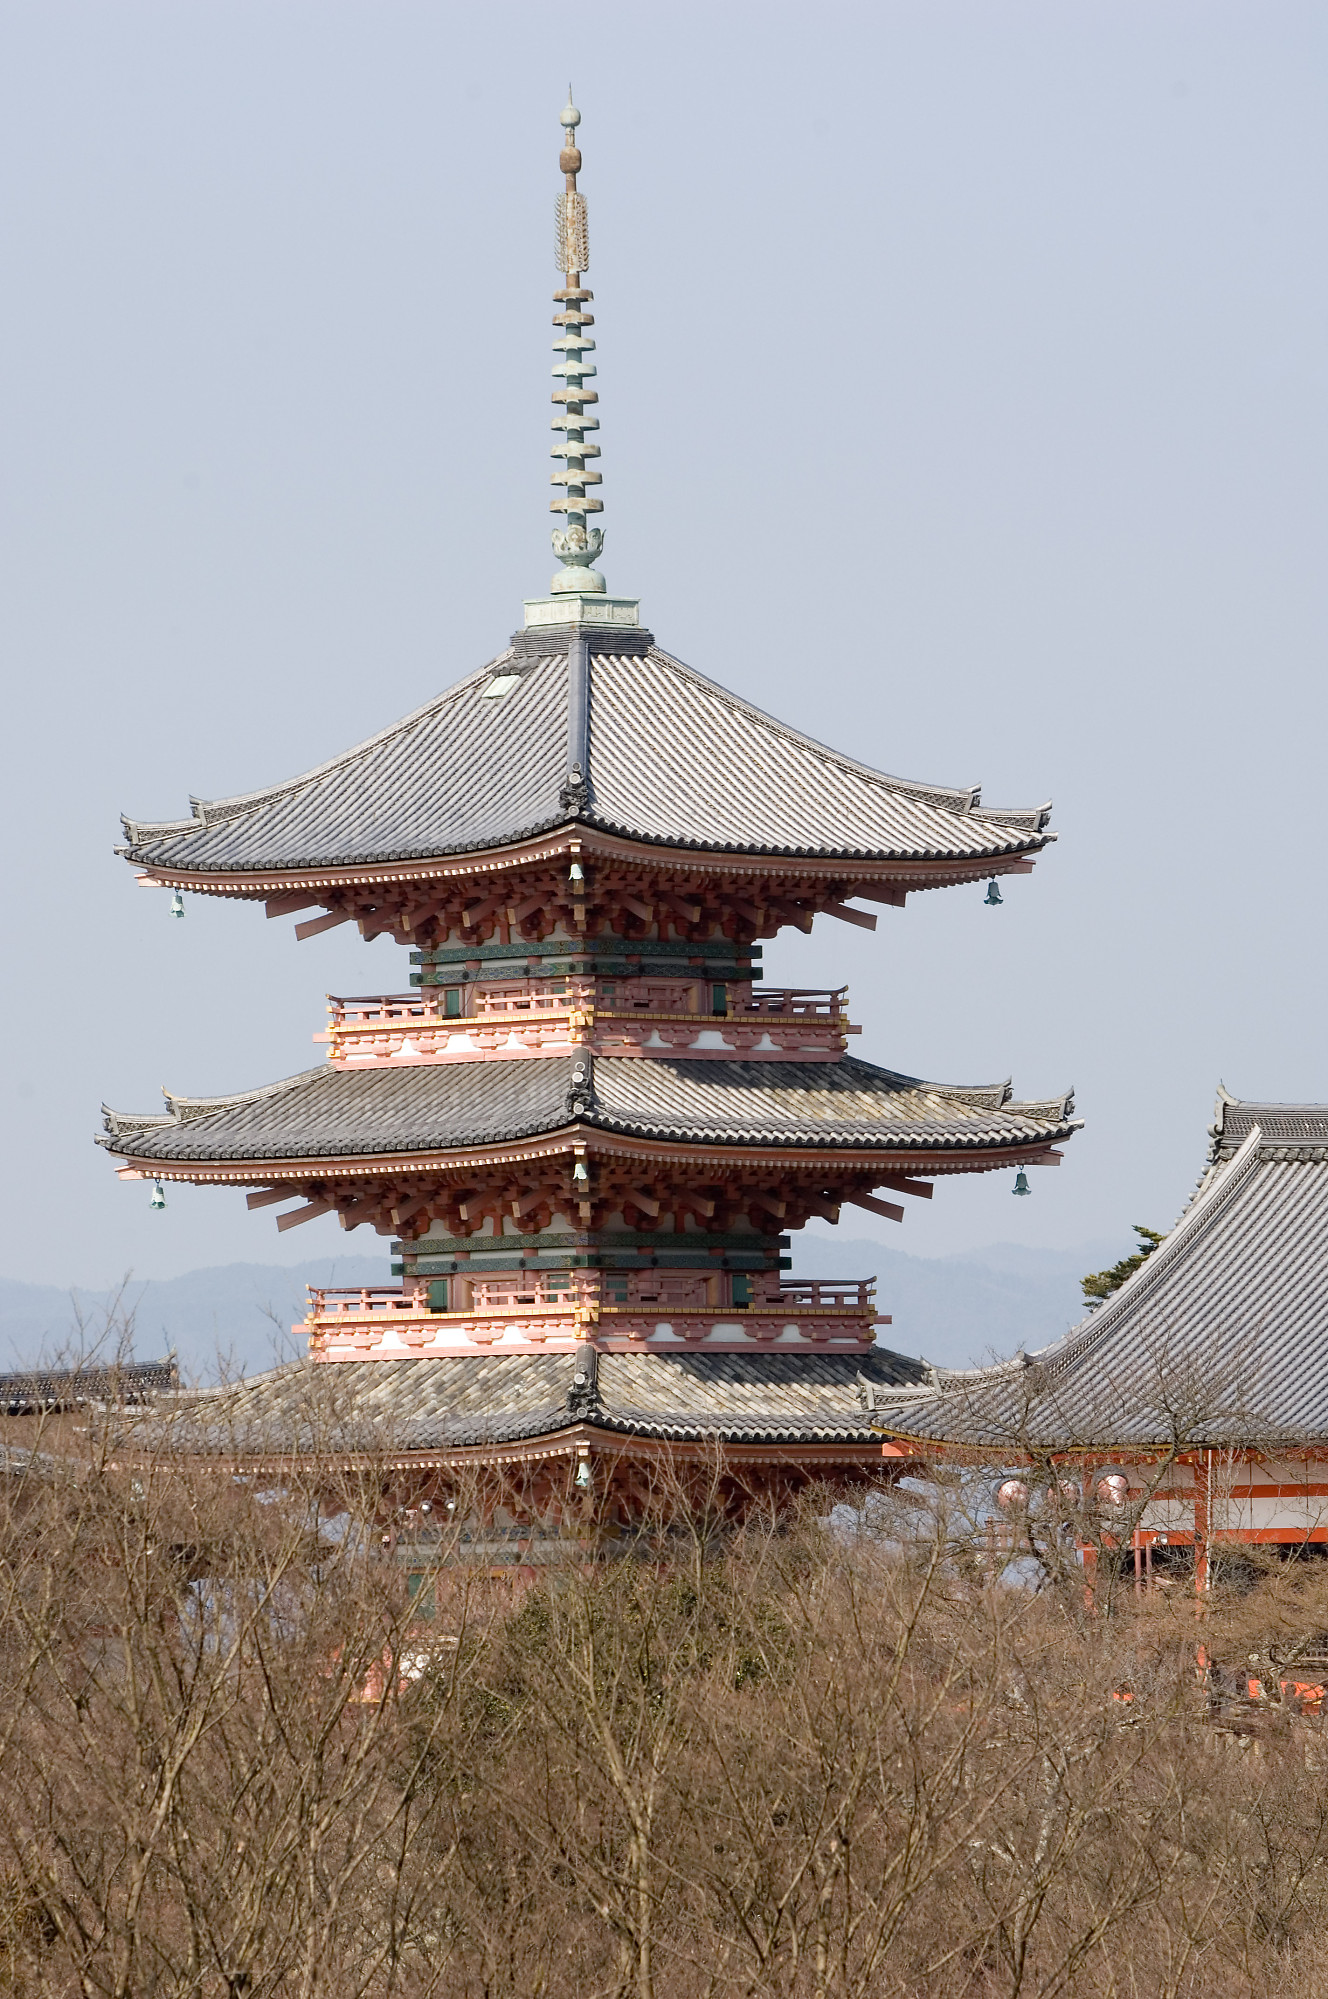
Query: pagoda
[588,1125]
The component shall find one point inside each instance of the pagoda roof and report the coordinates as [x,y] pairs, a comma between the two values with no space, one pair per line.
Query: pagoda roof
[1219,1338]
[399,1407]
[333,1112]
[671,759]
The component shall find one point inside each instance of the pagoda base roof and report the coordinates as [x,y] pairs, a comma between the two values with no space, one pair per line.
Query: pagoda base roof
[505,1407]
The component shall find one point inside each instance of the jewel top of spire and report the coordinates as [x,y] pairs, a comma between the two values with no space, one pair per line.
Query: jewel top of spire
[578,590]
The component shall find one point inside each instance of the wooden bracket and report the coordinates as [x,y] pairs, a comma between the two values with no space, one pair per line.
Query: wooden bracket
[321,923]
[307,1214]
[861,917]
[900,1183]
[890,1209]
[268,1195]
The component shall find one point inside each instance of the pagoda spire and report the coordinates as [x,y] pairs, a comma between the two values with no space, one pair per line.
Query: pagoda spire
[578,593]
[577,544]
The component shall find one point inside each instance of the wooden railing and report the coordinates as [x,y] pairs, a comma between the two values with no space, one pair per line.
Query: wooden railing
[517,1291]
[539,999]
[809,1002]
[326,1301]
[377,1009]
[626,996]
[532,1311]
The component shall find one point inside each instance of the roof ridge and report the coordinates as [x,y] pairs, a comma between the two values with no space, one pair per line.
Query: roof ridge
[126,1124]
[183,1108]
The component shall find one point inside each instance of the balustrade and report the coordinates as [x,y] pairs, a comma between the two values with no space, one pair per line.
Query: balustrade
[561,1306]
[682,998]
[511,1291]
[502,1018]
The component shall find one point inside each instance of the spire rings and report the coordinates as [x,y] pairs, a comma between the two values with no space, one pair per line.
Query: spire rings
[576,544]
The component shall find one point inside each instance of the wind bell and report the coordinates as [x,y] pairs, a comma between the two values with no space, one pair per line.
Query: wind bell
[158,1195]
[1021,1185]
[177,904]
[993,895]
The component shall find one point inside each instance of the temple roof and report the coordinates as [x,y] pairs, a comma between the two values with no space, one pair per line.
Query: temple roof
[1220,1337]
[388,1406]
[672,758]
[439,1107]
[54,1388]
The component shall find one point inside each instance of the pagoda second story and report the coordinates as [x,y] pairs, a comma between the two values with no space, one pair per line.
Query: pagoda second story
[588,1124]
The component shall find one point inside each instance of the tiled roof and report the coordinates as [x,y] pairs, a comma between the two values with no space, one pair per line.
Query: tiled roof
[1280,1125]
[330,1112]
[402,1406]
[819,1398]
[673,758]
[1221,1336]
[74,1387]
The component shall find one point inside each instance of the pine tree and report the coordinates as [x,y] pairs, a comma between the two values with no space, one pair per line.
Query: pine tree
[1101,1283]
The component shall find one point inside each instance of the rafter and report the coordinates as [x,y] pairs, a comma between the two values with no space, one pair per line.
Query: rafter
[317,924]
[890,1209]
[309,1213]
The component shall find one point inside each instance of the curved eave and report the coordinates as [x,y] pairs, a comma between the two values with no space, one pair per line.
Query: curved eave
[854,1450]
[913,871]
[695,1153]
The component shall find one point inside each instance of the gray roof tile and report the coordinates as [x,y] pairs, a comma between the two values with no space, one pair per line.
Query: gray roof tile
[674,758]
[1221,1336]
[428,1405]
[329,1112]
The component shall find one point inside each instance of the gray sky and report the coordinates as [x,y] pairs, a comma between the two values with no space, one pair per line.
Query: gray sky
[962,373]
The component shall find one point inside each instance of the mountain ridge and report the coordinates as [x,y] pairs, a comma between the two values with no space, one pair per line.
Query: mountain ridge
[955,1310]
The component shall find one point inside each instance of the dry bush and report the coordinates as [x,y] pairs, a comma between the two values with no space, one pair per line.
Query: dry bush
[835,1752]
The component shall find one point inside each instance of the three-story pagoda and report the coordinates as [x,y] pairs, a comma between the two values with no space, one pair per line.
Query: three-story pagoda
[588,1126]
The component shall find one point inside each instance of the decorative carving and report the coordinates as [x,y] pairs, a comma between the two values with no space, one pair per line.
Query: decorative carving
[583,1393]
[581,1092]
[578,547]
[574,798]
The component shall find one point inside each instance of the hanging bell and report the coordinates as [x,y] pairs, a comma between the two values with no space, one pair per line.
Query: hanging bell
[582,1479]
[580,1174]
[993,898]
[1021,1185]
[177,904]
[576,873]
[158,1195]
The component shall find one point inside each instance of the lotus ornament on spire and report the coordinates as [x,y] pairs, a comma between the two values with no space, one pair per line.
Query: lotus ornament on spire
[576,548]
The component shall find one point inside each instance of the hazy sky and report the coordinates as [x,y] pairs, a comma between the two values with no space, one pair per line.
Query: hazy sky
[962,374]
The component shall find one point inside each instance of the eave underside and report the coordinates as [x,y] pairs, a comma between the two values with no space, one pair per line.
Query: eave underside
[632,890]
[701,1187]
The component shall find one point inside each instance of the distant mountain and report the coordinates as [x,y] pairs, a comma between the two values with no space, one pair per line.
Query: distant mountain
[234,1319]
[954,1310]
[959,1311]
